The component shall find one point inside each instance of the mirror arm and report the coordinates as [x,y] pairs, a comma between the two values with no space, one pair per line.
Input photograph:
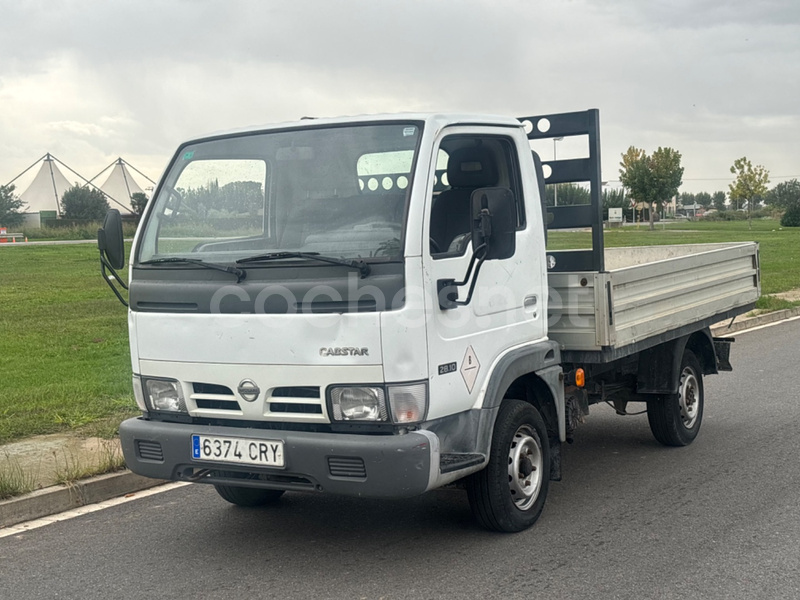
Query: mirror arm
[472,264]
[446,288]
[104,264]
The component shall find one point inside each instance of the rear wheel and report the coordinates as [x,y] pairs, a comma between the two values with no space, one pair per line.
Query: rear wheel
[246,496]
[509,494]
[676,421]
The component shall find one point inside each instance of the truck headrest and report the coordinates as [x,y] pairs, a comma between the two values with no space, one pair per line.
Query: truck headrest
[472,168]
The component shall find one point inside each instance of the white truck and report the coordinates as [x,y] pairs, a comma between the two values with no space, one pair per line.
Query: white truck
[367,306]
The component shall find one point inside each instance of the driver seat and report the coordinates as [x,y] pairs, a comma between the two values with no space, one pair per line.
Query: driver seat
[468,169]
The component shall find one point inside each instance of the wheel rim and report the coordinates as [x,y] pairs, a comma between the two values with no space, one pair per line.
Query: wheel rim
[689,398]
[524,468]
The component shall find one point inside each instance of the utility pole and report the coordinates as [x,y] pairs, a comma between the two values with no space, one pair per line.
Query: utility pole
[555,190]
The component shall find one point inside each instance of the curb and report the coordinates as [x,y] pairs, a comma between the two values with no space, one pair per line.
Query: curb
[56,499]
[765,319]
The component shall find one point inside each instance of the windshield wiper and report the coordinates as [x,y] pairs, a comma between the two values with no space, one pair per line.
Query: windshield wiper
[240,273]
[363,268]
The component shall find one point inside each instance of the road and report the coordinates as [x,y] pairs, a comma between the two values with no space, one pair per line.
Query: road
[632,519]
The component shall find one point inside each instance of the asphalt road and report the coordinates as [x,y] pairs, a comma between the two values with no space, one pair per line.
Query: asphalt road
[632,519]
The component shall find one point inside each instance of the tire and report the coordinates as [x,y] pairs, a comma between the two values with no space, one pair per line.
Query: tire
[676,421]
[246,496]
[509,494]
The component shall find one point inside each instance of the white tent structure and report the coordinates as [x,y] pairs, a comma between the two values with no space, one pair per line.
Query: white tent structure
[45,191]
[120,186]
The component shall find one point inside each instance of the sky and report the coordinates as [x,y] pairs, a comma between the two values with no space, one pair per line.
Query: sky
[91,80]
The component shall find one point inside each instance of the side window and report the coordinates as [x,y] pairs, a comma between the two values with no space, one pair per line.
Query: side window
[465,164]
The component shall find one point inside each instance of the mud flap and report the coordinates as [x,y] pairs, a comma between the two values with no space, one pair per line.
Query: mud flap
[555,460]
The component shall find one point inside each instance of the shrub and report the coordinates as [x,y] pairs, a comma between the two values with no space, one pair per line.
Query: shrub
[84,203]
[791,218]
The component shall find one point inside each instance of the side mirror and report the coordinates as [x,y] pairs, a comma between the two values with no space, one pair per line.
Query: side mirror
[110,241]
[112,252]
[494,222]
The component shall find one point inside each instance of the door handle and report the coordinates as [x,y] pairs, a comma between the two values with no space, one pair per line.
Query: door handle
[530,304]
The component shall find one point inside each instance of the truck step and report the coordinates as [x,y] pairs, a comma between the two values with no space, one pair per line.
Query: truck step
[457,461]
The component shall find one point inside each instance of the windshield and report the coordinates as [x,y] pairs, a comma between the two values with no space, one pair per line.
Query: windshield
[338,191]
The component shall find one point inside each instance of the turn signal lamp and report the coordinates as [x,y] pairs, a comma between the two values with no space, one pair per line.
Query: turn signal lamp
[580,378]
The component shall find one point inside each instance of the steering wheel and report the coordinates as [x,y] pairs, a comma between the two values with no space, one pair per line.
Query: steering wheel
[435,247]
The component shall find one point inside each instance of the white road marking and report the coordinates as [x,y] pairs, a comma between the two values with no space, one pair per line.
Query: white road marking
[90,508]
[759,327]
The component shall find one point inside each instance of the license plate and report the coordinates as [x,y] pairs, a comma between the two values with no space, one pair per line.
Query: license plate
[267,453]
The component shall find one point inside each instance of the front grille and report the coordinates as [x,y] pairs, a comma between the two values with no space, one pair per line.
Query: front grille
[217,404]
[347,466]
[294,401]
[211,388]
[147,450]
[212,396]
[283,407]
[297,391]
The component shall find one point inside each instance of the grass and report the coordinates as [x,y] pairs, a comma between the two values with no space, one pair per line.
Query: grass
[107,460]
[772,303]
[63,343]
[14,480]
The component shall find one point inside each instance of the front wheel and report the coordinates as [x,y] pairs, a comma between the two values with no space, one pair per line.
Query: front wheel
[676,421]
[509,494]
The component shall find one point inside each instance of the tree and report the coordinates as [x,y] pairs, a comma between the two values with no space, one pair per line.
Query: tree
[703,199]
[651,179]
[750,184]
[784,195]
[569,194]
[80,202]
[687,199]
[10,207]
[719,200]
[138,202]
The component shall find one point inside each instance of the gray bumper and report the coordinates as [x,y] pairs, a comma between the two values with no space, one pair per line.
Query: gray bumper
[378,466]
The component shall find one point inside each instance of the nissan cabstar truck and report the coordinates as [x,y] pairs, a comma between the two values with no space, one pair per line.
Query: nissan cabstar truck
[368,306]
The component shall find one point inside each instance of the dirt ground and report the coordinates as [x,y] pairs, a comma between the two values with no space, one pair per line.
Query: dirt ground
[50,458]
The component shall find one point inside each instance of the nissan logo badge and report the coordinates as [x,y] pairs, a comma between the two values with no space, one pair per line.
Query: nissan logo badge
[248,390]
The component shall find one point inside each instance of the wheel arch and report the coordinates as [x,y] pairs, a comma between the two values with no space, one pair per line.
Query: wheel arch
[659,366]
[534,375]
[702,344]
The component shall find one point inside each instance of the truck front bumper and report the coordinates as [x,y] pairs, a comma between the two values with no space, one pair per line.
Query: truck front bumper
[378,466]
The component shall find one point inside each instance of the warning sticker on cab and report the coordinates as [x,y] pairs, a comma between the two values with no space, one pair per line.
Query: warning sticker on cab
[469,368]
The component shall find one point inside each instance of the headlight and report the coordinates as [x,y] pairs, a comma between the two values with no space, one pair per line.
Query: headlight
[164,395]
[409,403]
[358,404]
[138,393]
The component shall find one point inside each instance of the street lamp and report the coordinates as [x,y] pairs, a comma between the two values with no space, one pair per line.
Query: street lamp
[555,190]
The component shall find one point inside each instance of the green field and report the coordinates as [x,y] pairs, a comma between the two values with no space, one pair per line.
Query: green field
[64,361]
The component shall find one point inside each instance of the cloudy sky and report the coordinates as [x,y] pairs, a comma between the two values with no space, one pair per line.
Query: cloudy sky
[90,80]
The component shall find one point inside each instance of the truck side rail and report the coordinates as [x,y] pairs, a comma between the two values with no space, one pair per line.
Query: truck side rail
[580,170]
